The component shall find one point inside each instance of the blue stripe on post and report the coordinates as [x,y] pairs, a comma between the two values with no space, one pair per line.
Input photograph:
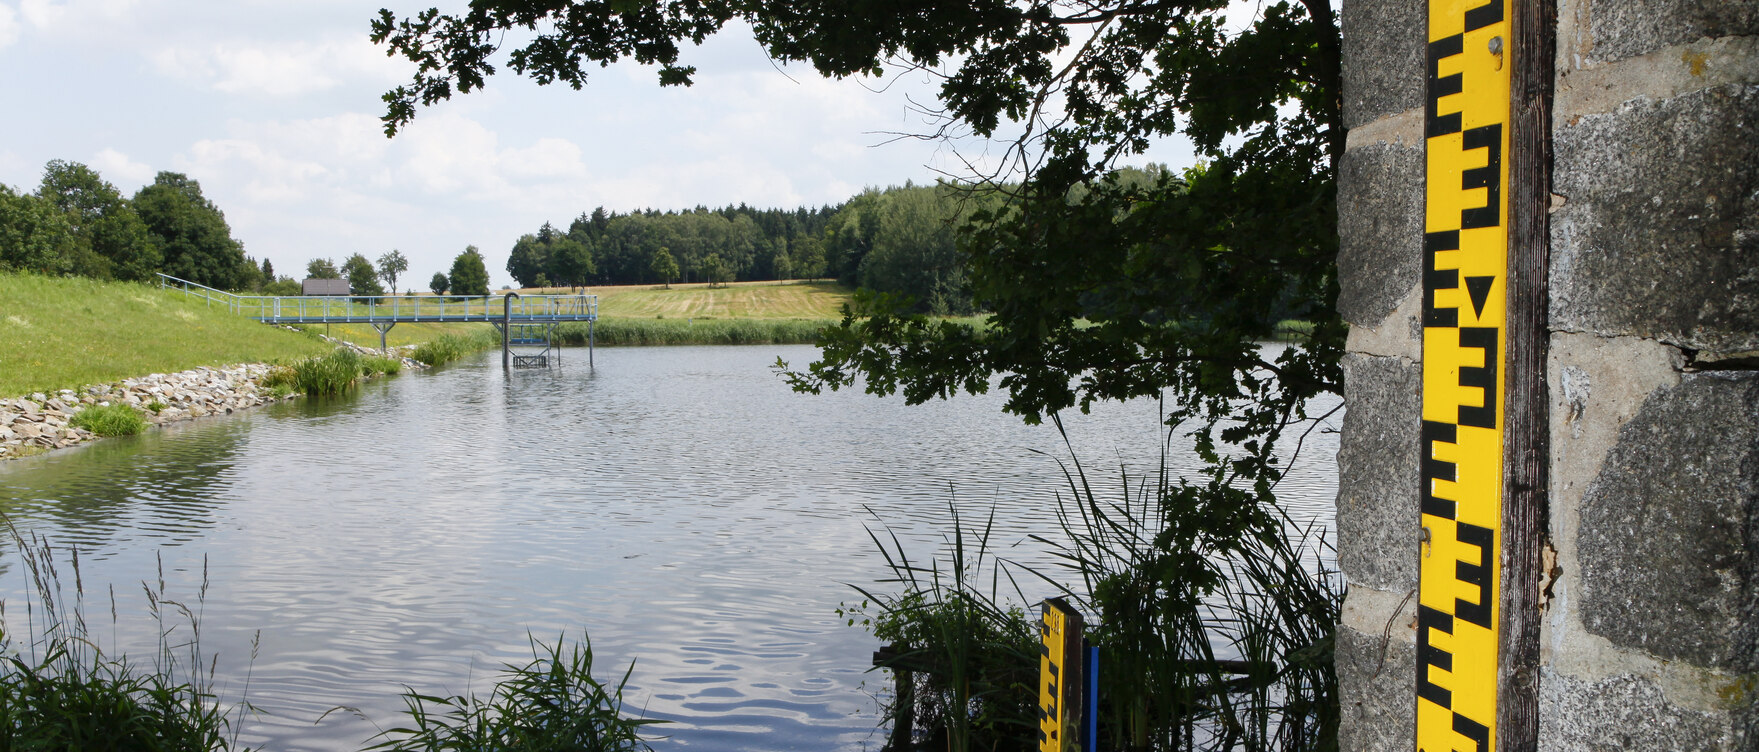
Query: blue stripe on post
[1090,702]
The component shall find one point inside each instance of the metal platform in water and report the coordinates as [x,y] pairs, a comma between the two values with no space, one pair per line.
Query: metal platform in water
[541,312]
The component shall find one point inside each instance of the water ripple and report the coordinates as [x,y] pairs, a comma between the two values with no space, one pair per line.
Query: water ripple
[681,505]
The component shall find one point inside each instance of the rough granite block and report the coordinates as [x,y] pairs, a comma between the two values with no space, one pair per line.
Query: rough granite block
[1666,538]
[1377,472]
[1626,28]
[1659,233]
[1380,229]
[1377,692]
[1622,713]
[1383,58]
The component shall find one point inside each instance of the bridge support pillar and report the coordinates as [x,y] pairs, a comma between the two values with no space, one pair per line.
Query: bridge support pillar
[381,327]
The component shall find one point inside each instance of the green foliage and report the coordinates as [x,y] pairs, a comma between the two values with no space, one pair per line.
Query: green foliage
[392,264]
[809,258]
[449,347]
[439,283]
[109,240]
[282,287]
[570,262]
[373,365]
[1100,289]
[529,258]
[191,232]
[715,271]
[1209,642]
[322,268]
[469,276]
[331,374]
[974,656]
[60,691]
[550,255]
[363,279]
[663,265]
[1177,596]
[904,241]
[642,332]
[110,420]
[551,703]
[279,376]
[156,407]
[33,234]
[51,326]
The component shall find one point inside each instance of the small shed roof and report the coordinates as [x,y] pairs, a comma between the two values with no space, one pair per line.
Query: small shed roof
[315,286]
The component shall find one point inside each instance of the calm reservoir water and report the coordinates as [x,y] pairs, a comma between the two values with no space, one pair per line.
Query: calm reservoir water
[681,505]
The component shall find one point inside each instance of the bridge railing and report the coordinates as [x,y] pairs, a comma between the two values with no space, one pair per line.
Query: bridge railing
[371,308]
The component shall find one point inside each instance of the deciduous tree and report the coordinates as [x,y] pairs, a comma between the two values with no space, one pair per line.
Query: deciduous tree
[322,268]
[190,232]
[391,265]
[663,265]
[439,284]
[363,279]
[32,234]
[1098,288]
[109,240]
[469,275]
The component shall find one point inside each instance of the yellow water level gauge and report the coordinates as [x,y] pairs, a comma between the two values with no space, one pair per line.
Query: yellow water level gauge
[1465,262]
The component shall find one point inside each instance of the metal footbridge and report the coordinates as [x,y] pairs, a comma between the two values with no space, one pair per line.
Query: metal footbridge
[524,320]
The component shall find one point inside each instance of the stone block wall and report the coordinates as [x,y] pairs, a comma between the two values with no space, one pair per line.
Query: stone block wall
[1651,627]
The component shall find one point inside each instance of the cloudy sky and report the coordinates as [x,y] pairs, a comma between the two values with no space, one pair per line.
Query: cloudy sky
[273,106]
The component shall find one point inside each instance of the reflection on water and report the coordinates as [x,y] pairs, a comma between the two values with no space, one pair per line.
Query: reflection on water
[680,504]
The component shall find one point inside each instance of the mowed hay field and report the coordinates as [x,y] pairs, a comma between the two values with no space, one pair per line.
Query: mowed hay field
[739,300]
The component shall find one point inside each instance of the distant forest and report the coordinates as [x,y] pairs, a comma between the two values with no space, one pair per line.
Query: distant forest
[900,240]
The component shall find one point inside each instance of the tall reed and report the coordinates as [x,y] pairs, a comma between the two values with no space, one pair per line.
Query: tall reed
[1209,640]
[331,374]
[60,690]
[449,347]
[633,331]
[551,703]
[971,651]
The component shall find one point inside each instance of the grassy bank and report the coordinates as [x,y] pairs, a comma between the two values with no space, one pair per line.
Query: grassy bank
[66,332]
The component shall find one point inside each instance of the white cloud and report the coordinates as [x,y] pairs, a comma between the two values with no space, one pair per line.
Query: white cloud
[264,174]
[117,168]
[45,14]
[8,26]
[279,69]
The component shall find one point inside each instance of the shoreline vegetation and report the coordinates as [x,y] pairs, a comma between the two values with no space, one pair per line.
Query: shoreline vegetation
[70,342]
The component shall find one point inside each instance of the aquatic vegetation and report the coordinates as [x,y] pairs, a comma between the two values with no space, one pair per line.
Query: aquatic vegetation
[110,420]
[331,374]
[59,690]
[551,703]
[449,347]
[612,332]
[1208,641]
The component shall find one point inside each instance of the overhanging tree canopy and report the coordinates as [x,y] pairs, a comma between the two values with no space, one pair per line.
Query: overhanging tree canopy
[1098,289]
